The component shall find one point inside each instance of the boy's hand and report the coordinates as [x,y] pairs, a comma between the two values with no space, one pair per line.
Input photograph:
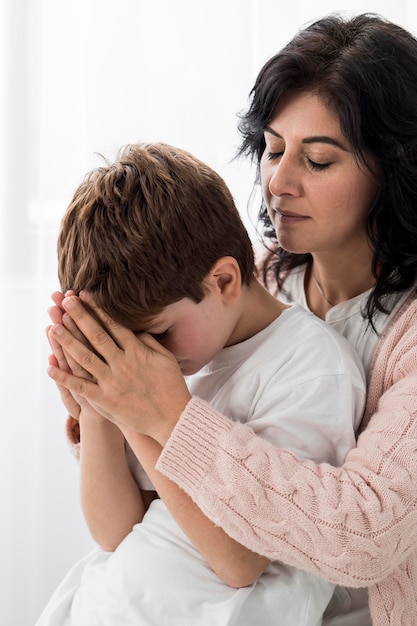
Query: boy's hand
[75,404]
[58,358]
[134,380]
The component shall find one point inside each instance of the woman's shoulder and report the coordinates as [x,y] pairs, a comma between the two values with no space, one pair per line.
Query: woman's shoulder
[400,334]
[395,357]
[404,319]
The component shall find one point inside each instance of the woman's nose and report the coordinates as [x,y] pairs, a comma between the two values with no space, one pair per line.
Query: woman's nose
[284,178]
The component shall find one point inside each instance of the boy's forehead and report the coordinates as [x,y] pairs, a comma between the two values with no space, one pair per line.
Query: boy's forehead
[167,316]
[160,319]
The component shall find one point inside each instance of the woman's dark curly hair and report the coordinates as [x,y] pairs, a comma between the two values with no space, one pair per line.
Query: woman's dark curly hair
[365,69]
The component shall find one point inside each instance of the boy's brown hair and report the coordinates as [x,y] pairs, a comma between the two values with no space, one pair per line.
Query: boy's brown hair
[143,232]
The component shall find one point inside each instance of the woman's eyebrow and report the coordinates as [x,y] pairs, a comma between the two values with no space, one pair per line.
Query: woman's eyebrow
[268,129]
[324,139]
[313,139]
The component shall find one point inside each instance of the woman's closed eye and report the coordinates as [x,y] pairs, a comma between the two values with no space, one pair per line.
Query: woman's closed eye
[313,165]
[319,167]
[272,156]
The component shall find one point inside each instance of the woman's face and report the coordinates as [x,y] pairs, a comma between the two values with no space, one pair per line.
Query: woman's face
[316,193]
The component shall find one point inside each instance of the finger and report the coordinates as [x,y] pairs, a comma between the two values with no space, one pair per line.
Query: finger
[67,398]
[63,358]
[78,386]
[78,351]
[58,316]
[52,360]
[76,368]
[55,314]
[153,345]
[57,298]
[70,403]
[57,350]
[77,394]
[65,361]
[72,327]
[120,334]
[101,339]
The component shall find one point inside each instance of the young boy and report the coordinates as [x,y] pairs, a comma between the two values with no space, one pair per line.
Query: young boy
[157,240]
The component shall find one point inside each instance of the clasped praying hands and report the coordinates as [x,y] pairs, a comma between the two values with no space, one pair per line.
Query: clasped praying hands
[130,379]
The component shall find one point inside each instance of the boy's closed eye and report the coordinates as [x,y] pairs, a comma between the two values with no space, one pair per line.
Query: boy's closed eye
[159,335]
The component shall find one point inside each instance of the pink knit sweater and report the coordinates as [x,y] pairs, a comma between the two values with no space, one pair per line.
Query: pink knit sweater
[355,525]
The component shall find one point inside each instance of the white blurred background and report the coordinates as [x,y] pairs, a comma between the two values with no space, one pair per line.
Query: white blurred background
[80,78]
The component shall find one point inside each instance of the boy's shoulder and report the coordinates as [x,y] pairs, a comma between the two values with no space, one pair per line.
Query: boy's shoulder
[302,335]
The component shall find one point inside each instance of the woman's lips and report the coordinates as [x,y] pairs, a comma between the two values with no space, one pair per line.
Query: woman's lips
[288,217]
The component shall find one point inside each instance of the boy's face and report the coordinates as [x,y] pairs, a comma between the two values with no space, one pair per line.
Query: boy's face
[194,333]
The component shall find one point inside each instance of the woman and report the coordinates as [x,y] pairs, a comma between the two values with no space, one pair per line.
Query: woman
[332,126]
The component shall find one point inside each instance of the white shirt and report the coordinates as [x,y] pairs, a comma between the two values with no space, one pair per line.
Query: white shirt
[346,317]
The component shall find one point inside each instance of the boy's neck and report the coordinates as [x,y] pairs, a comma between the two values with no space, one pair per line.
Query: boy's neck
[258,309]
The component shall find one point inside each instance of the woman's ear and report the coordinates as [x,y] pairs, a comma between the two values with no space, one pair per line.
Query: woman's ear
[226,278]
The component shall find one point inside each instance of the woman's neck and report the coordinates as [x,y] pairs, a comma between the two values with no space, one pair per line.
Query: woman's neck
[330,282]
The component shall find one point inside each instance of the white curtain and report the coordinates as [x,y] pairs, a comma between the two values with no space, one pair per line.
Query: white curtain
[80,78]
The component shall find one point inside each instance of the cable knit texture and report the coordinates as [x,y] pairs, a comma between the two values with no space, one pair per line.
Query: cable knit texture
[355,525]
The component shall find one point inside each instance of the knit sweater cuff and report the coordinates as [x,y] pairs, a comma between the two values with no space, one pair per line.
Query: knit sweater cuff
[189,452]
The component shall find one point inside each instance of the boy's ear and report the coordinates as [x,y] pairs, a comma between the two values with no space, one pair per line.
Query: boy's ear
[225,276]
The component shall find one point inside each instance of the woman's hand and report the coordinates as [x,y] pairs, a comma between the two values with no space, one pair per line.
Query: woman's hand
[134,380]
